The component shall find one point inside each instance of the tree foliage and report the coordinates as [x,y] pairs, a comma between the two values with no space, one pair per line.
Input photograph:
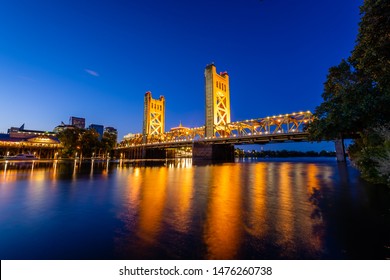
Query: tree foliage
[108,142]
[372,50]
[352,102]
[339,114]
[89,142]
[86,143]
[357,93]
[70,140]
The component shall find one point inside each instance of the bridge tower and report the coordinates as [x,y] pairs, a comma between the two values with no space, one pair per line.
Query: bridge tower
[154,116]
[217,100]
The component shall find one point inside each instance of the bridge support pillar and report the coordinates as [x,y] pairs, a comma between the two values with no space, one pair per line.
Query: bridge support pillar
[154,153]
[212,152]
[340,150]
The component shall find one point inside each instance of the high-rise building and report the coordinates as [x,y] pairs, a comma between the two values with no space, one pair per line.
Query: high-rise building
[98,128]
[77,122]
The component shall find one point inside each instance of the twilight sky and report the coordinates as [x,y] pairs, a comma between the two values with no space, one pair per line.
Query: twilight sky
[96,59]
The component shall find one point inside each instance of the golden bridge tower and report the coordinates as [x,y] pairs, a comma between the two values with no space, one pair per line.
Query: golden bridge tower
[217,100]
[154,116]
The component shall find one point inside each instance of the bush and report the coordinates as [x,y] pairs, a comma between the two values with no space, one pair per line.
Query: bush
[371,154]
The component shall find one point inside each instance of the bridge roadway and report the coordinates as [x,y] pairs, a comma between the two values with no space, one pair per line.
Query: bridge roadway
[254,138]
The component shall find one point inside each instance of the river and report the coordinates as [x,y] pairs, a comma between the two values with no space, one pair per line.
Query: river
[301,208]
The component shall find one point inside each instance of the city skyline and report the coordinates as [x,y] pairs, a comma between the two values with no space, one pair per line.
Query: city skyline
[68,58]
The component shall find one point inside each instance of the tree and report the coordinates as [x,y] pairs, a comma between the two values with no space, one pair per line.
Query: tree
[336,117]
[371,55]
[372,50]
[70,140]
[350,105]
[89,142]
[357,94]
[108,142]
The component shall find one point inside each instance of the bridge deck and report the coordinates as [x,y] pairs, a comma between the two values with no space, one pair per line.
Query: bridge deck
[240,140]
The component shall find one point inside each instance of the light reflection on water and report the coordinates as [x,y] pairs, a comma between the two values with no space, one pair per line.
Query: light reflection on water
[295,209]
[223,231]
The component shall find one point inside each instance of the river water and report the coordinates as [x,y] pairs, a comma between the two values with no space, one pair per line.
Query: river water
[251,209]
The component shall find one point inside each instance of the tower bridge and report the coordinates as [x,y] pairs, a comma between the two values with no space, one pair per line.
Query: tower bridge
[217,138]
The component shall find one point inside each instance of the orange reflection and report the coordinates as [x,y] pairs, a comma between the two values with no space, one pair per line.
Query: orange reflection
[285,218]
[132,200]
[6,174]
[181,180]
[258,202]
[75,169]
[152,204]
[223,224]
[91,170]
[105,170]
[314,198]
[37,191]
[312,180]
[13,171]
[134,184]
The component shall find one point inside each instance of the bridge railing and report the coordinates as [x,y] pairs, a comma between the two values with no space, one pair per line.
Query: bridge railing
[278,124]
[288,123]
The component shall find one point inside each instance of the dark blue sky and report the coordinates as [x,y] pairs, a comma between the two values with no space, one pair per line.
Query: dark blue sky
[96,59]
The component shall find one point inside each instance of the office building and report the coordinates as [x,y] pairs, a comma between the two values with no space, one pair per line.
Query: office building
[98,128]
[77,122]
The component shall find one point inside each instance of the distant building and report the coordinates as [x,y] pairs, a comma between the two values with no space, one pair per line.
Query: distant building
[98,128]
[112,131]
[180,129]
[43,144]
[20,132]
[129,136]
[62,127]
[77,122]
